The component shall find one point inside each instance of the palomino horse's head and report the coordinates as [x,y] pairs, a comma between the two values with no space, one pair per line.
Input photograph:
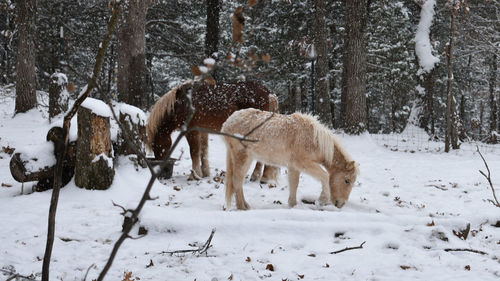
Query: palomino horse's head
[341,182]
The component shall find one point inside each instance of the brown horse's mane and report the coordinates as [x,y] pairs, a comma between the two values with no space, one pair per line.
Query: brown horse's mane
[165,105]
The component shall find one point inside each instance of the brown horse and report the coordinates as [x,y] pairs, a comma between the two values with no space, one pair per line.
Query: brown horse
[298,142]
[213,105]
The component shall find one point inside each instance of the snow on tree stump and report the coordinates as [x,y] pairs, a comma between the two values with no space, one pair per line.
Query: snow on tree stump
[133,120]
[58,94]
[94,151]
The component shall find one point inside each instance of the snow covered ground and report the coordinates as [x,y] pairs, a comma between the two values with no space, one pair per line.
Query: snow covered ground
[406,207]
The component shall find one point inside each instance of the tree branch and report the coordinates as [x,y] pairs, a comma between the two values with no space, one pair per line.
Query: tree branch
[348,248]
[465,250]
[66,125]
[200,250]
[488,177]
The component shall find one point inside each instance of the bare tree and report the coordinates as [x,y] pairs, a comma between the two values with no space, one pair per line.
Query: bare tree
[26,76]
[212,28]
[451,137]
[322,102]
[353,99]
[132,70]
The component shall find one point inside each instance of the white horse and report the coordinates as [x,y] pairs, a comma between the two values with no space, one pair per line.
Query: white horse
[298,142]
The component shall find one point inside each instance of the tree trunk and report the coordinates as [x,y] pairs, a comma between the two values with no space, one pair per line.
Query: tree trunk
[212,31]
[26,76]
[94,163]
[493,101]
[322,80]
[132,70]
[58,94]
[451,137]
[354,69]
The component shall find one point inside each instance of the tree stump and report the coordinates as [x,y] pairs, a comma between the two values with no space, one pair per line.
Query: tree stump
[133,120]
[38,165]
[94,152]
[58,94]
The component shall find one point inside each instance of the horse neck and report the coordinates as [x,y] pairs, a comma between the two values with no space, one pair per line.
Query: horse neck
[339,161]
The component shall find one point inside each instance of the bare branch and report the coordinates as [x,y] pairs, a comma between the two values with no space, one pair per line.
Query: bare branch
[88,270]
[16,276]
[200,250]
[488,178]
[466,250]
[349,248]
[64,145]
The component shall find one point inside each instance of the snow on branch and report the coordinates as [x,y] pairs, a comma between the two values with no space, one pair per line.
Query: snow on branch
[423,47]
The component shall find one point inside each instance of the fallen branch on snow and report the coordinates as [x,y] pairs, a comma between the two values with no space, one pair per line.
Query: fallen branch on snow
[200,250]
[348,248]
[465,250]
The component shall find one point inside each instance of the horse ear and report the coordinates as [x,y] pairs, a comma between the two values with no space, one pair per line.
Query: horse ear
[351,166]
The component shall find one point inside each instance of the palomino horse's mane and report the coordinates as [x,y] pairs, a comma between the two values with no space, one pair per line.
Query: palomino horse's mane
[324,138]
[165,105]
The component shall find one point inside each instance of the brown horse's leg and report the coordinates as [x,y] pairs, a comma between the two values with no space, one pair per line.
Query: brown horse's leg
[257,172]
[241,162]
[293,182]
[193,139]
[270,174]
[205,166]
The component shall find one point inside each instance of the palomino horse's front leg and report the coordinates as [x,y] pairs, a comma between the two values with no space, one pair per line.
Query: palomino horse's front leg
[270,173]
[193,139]
[315,170]
[293,182]
[257,172]
[205,167]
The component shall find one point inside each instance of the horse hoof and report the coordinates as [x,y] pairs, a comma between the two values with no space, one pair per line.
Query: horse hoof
[194,176]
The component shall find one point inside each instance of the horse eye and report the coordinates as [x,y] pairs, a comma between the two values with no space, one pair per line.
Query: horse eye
[347,181]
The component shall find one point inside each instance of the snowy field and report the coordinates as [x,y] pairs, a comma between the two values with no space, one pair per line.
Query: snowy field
[408,207]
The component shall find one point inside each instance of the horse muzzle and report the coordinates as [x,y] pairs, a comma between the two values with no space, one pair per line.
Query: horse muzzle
[339,203]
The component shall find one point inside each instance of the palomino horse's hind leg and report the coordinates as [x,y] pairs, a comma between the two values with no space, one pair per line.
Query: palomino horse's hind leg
[257,172]
[293,182]
[193,139]
[205,167]
[315,170]
[270,174]
[241,163]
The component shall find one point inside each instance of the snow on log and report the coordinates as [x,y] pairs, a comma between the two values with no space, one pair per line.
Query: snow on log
[133,120]
[423,46]
[97,107]
[94,152]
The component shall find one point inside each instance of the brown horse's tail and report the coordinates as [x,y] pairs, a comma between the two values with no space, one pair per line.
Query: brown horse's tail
[273,103]
[229,177]
[164,106]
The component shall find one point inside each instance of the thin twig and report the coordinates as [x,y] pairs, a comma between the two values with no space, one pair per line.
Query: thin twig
[63,145]
[466,250]
[88,270]
[349,248]
[13,275]
[200,250]
[488,177]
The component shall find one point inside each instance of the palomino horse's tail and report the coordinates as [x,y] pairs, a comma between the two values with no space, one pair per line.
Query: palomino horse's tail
[165,105]
[229,178]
